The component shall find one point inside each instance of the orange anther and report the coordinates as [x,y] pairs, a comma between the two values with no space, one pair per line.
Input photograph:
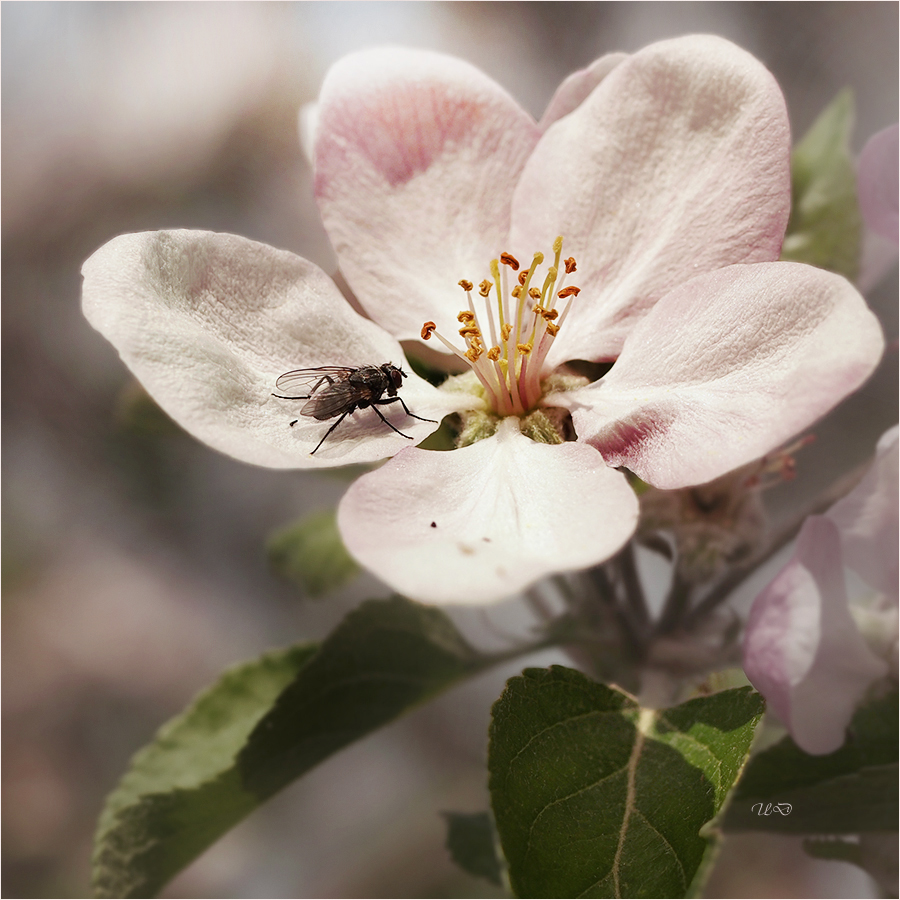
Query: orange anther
[569,291]
[427,330]
[509,260]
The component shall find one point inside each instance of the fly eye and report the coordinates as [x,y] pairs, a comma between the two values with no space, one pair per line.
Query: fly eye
[397,377]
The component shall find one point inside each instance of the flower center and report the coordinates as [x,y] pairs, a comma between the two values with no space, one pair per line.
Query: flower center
[521,326]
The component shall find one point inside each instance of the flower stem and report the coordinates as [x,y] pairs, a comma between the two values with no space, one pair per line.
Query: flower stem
[780,539]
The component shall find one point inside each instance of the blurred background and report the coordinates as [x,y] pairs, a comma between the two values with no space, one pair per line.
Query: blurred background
[133,557]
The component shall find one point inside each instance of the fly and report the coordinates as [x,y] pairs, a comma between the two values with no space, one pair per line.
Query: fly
[340,390]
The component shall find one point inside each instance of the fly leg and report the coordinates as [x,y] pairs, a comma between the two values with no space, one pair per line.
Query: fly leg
[383,419]
[341,419]
[405,409]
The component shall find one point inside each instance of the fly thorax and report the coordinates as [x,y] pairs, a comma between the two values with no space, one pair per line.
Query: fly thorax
[507,337]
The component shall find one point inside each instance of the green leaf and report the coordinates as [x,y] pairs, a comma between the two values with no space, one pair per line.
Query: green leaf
[850,791]
[183,791]
[825,226]
[384,658]
[261,726]
[471,842]
[311,553]
[595,797]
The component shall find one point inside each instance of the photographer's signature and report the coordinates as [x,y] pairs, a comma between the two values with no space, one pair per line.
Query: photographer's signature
[766,809]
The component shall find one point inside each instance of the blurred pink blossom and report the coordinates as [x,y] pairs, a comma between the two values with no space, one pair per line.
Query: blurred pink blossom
[878,182]
[803,648]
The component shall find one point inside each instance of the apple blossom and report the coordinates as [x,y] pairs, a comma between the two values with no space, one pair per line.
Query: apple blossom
[649,204]
[803,649]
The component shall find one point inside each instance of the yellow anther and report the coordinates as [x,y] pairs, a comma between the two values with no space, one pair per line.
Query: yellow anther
[465,315]
[570,265]
[509,260]
[568,292]
[552,329]
[473,353]
[427,330]
[517,291]
[485,288]
[472,330]
[465,285]
[524,348]
[493,354]
[549,314]
[505,331]
[535,294]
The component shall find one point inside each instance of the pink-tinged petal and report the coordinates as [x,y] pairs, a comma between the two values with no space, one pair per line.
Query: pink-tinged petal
[678,163]
[725,369]
[877,258]
[483,522]
[802,650]
[878,182]
[575,89]
[207,322]
[867,519]
[417,155]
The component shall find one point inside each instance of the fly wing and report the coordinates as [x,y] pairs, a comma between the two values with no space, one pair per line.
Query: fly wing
[301,384]
[332,400]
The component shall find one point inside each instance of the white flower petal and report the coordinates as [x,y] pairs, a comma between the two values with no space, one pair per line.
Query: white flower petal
[207,322]
[868,520]
[483,522]
[802,650]
[675,165]
[417,155]
[575,89]
[725,368]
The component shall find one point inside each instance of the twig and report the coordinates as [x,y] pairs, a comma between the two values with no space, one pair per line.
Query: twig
[782,537]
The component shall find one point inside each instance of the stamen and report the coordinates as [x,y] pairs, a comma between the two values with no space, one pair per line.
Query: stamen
[511,367]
